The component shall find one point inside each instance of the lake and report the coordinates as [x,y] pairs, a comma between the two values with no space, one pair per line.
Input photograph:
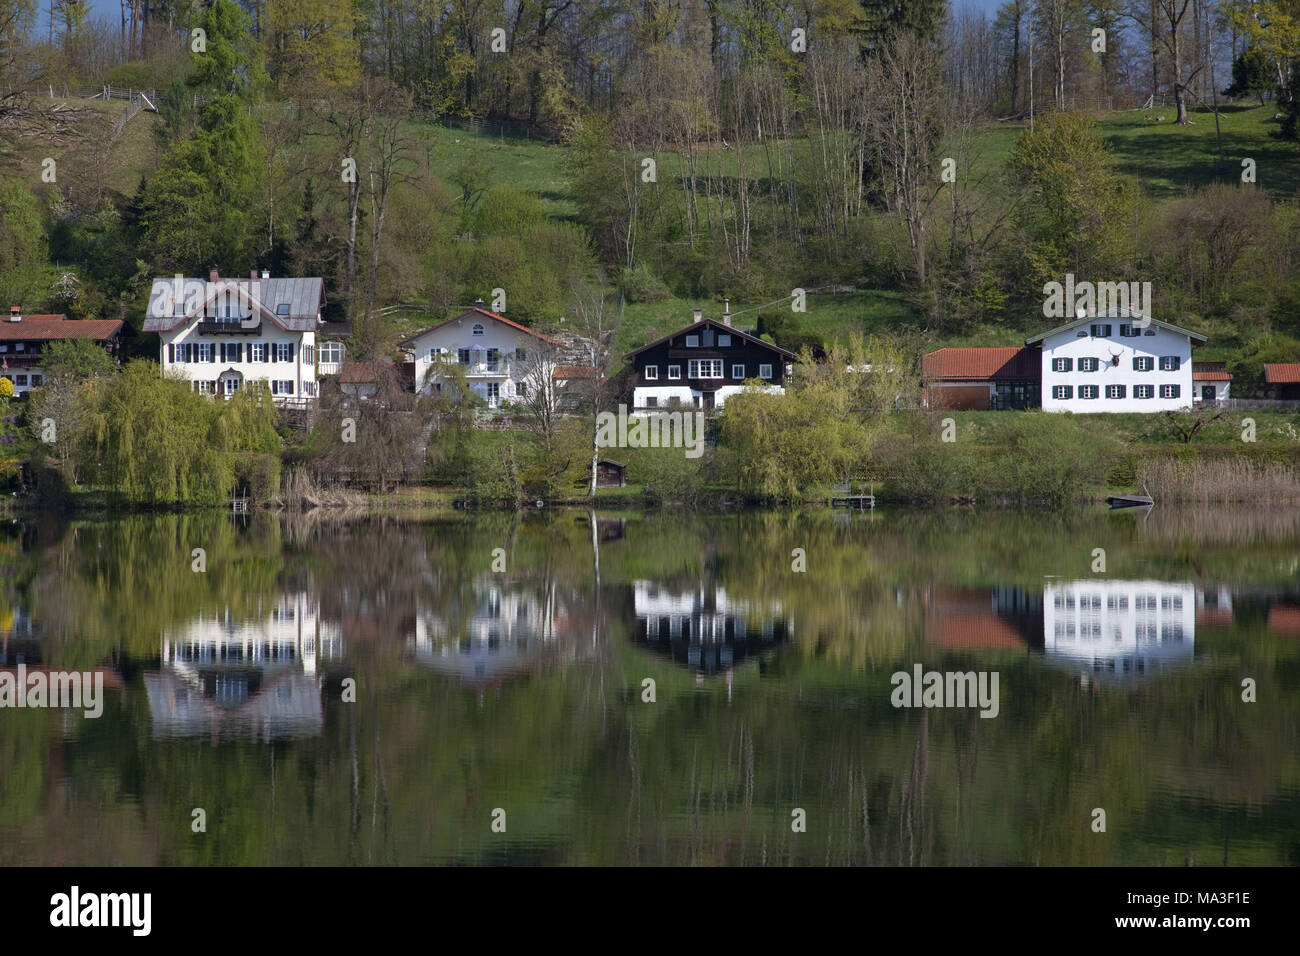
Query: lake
[666,688]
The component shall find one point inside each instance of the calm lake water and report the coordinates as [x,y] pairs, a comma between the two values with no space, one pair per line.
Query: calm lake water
[499,669]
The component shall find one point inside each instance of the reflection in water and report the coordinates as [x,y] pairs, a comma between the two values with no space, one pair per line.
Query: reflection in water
[249,678]
[706,629]
[497,634]
[1119,628]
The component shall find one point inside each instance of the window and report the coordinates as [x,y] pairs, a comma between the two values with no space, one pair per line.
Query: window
[1063,391]
[309,355]
[493,360]
[1101,331]
[1062,364]
[231,385]
[674,371]
[462,356]
[765,371]
[1169,363]
[1089,364]
[1115,391]
[20,379]
[692,341]
[1089,391]
[1143,363]
[521,355]
[724,341]
[36,380]
[257,351]
[231,351]
[282,308]
[1127,331]
[1144,391]
[435,353]
[1170,391]
[705,368]
[651,372]
[738,371]
[281,388]
[207,352]
[707,338]
[329,352]
[309,388]
[521,389]
[282,352]
[478,329]
[20,347]
[205,387]
[652,402]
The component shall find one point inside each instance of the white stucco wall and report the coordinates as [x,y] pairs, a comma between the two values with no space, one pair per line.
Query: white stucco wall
[299,371]
[1115,355]
[457,335]
[688,396]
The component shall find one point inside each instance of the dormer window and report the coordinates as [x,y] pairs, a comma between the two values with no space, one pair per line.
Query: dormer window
[282,308]
[1101,331]
[692,341]
[478,329]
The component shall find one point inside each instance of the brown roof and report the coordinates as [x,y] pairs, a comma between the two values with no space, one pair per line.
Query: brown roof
[1282,373]
[1213,376]
[485,312]
[720,327]
[50,328]
[574,371]
[983,364]
[361,373]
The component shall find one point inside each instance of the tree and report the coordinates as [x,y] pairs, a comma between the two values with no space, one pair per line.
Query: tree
[75,360]
[1075,212]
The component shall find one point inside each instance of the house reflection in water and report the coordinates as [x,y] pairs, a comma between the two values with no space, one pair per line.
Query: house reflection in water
[706,629]
[502,633]
[245,678]
[1119,629]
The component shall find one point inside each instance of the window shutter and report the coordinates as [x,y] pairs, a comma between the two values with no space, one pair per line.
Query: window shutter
[272,350]
[290,351]
[171,353]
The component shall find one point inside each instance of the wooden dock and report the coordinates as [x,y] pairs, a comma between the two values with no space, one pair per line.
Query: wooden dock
[1131,501]
[842,497]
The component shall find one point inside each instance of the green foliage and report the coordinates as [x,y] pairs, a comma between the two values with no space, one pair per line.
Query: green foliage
[1076,213]
[640,285]
[75,360]
[22,231]
[156,442]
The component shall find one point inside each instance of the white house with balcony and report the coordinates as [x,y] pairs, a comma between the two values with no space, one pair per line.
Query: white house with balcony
[502,360]
[1126,362]
[227,334]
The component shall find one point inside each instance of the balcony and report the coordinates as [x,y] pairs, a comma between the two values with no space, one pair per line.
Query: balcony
[497,369]
[227,327]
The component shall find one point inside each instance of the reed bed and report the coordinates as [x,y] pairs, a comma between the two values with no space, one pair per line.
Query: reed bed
[1217,481]
[298,492]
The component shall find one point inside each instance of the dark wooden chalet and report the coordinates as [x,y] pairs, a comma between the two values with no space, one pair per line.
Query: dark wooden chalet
[703,363]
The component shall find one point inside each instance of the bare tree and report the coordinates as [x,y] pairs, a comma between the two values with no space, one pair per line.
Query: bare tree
[592,331]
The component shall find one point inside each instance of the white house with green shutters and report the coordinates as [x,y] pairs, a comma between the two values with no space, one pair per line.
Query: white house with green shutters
[1126,362]
[226,334]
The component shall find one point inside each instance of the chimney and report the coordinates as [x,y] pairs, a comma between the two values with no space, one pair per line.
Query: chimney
[726,312]
[478,303]
[212,276]
[699,315]
[266,273]
[15,313]
[252,273]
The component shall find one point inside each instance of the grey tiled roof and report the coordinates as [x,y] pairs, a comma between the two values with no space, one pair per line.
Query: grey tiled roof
[303,297]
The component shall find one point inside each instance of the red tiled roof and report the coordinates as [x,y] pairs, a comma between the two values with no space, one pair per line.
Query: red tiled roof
[361,373]
[485,312]
[1210,376]
[49,328]
[1282,373]
[573,371]
[983,364]
[1284,619]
